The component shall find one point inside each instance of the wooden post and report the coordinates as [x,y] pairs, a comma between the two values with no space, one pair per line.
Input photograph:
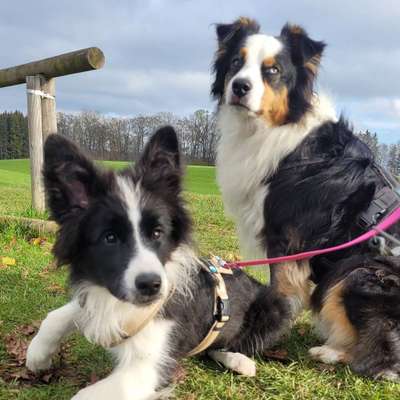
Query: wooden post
[33,86]
[42,119]
[49,116]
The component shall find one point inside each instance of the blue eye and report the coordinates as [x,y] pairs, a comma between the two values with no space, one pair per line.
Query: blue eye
[271,70]
[110,238]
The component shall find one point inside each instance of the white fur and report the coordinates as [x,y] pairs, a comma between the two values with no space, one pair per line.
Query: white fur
[144,260]
[259,47]
[327,355]
[237,362]
[137,374]
[103,315]
[45,344]
[248,152]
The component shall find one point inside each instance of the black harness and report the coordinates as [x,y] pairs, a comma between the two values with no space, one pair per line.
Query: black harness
[385,200]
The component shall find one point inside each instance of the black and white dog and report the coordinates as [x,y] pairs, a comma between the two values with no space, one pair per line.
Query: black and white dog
[126,237]
[292,174]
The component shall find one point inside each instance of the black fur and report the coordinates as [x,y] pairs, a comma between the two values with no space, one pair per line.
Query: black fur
[315,199]
[318,192]
[230,38]
[371,299]
[86,202]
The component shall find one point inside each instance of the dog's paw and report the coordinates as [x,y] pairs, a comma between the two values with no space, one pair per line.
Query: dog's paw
[243,365]
[38,356]
[237,362]
[389,375]
[327,355]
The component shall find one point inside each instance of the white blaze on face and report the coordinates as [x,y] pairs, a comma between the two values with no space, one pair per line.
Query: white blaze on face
[144,260]
[257,48]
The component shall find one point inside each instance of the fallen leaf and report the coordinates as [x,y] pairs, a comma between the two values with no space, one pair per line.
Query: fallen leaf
[325,367]
[179,374]
[8,261]
[278,355]
[27,330]
[302,331]
[93,378]
[16,348]
[56,289]
[46,378]
[37,241]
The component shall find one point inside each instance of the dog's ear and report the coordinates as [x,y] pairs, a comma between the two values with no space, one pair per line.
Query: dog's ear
[226,32]
[304,51]
[160,166]
[70,178]
[228,35]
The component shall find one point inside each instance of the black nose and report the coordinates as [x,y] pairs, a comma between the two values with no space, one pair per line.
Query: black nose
[148,284]
[241,87]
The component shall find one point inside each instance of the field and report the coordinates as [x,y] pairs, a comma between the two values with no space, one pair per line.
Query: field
[32,287]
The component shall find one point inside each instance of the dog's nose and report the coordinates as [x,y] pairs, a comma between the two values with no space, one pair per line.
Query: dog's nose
[241,87]
[148,284]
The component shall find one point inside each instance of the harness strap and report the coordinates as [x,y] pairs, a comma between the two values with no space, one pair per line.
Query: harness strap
[221,304]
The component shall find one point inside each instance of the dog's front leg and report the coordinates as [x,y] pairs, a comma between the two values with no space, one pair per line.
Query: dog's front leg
[143,367]
[45,344]
[237,362]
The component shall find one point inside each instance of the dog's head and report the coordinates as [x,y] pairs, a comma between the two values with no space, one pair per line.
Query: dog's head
[266,76]
[118,229]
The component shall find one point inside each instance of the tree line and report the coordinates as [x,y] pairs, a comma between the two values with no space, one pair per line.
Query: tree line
[13,135]
[124,138]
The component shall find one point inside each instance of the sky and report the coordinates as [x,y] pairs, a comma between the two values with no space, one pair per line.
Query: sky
[159,52]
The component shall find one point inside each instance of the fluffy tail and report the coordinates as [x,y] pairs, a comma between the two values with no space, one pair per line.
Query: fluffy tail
[268,318]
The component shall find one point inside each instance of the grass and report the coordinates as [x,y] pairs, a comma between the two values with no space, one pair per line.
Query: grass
[33,287]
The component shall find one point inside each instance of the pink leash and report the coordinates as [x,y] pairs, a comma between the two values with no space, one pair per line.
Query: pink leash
[382,226]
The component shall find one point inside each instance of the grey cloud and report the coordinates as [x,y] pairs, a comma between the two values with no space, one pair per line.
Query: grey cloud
[159,52]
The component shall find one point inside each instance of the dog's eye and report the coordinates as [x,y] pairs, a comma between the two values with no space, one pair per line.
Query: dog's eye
[236,62]
[271,70]
[110,238]
[156,233]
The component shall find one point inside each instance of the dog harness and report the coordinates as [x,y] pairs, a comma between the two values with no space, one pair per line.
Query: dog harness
[215,267]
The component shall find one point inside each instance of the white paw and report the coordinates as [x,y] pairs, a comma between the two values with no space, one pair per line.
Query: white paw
[389,375]
[327,354]
[241,364]
[38,356]
[114,387]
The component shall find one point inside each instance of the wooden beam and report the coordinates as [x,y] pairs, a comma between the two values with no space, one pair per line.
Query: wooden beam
[33,85]
[49,115]
[64,64]
[38,225]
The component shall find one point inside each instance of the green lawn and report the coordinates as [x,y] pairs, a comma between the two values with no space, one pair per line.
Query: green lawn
[32,287]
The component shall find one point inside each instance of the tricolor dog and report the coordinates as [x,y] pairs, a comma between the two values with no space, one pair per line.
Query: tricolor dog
[295,177]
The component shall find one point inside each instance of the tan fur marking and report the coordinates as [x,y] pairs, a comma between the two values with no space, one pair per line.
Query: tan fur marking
[313,63]
[293,280]
[296,29]
[269,62]
[341,335]
[245,21]
[243,53]
[274,105]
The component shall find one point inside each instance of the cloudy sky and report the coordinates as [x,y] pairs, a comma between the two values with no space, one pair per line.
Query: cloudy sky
[158,52]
